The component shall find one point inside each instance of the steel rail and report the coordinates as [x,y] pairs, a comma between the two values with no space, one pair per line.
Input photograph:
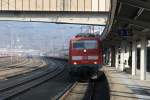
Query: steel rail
[33,67]
[17,88]
[3,63]
[87,91]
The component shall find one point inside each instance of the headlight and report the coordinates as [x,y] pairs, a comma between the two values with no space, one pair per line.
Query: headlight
[75,63]
[95,62]
[76,58]
[92,57]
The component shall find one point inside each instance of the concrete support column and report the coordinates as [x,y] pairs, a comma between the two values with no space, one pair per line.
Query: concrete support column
[122,58]
[116,59]
[134,57]
[107,57]
[127,55]
[104,58]
[110,54]
[113,57]
[143,59]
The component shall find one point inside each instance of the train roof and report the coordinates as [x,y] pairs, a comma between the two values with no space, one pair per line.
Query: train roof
[86,35]
[85,38]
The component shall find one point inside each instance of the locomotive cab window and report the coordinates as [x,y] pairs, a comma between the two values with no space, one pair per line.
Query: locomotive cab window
[85,44]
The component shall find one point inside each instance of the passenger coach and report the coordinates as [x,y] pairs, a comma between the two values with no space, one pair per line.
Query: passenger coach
[85,55]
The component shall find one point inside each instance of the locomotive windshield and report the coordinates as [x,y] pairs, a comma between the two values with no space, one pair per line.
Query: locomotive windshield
[85,44]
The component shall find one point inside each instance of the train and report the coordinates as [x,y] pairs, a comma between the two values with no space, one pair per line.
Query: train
[85,56]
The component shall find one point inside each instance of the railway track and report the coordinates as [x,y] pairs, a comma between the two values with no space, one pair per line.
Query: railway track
[21,68]
[75,91]
[93,89]
[49,89]
[4,62]
[17,87]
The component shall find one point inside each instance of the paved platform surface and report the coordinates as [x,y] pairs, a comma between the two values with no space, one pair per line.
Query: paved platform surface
[124,86]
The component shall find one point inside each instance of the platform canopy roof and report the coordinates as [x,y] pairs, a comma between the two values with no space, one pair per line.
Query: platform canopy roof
[132,18]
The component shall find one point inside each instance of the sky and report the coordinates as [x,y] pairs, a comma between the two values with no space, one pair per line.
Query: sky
[35,35]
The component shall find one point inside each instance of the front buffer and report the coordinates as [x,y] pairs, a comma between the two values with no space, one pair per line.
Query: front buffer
[77,72]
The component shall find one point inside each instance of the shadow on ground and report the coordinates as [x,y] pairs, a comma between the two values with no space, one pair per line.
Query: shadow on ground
[98,89]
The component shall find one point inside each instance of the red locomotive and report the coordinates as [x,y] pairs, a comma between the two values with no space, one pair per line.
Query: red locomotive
[85,55]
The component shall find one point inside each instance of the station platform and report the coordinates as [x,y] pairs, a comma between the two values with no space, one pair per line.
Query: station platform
[124,86]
